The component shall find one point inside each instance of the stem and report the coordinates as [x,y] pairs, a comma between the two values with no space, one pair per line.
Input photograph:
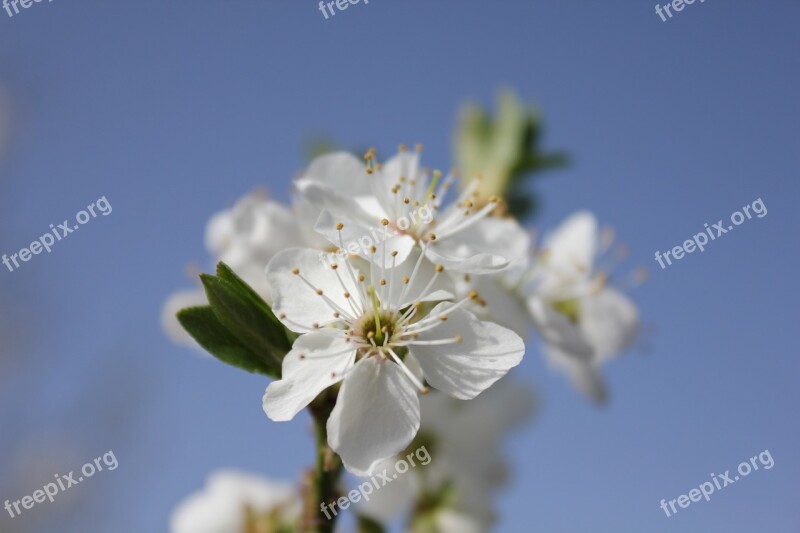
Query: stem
[327,470]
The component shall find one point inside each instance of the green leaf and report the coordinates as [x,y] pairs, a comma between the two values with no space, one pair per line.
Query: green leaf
[204,327]
[285,340]
[245,315]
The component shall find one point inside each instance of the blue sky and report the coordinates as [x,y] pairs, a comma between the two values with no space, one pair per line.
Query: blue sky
[173,110]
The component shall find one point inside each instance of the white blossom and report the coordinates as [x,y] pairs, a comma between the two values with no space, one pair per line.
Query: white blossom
[236,502]
[382,329]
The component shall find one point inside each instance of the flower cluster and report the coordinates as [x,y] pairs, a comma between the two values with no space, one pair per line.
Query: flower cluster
[442,304]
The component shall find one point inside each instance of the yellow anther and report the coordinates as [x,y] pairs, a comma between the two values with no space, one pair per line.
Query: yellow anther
[385,221]
[406,279]
[443,317]
[432,236]
[334,266]
[382,281]
[459,339]
[296,271]
[402,148]
[361,277]
[473,294]
[347,294]
[439,268]
[339,225]
[319,291]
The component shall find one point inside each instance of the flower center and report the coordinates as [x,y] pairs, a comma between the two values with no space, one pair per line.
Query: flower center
[568,308]
[378,325]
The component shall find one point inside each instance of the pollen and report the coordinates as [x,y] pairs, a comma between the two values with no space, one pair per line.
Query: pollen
[383,281]
[402,148]
[406,200]
[347,295]
[439,268]
[418,147]
[473,294]
[334,266]
[394,254]
[296,271]
[339,225]
[369,170]
[282,316]
[459,339]
[442,317]
[361,277]
[406,279]
[432,236]
[315,325]
[319,292]
[385,221]
[373,249]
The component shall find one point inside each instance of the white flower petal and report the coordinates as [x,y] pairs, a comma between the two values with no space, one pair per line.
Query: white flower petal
[610,322]
[315,362]
[300,303]
[358,239]
[335,181]
[570,253]
[463,370]
[442,289]
[487,246]
[558,331]
[376,415]
[451,521]
[339,170]
[402,165]
[393,499]
[504,306]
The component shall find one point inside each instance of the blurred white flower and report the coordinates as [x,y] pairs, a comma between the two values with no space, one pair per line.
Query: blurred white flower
[465,441]
[246,237]
[459,236]
[175,302]
[583,321]
[374,326]
[237,502]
